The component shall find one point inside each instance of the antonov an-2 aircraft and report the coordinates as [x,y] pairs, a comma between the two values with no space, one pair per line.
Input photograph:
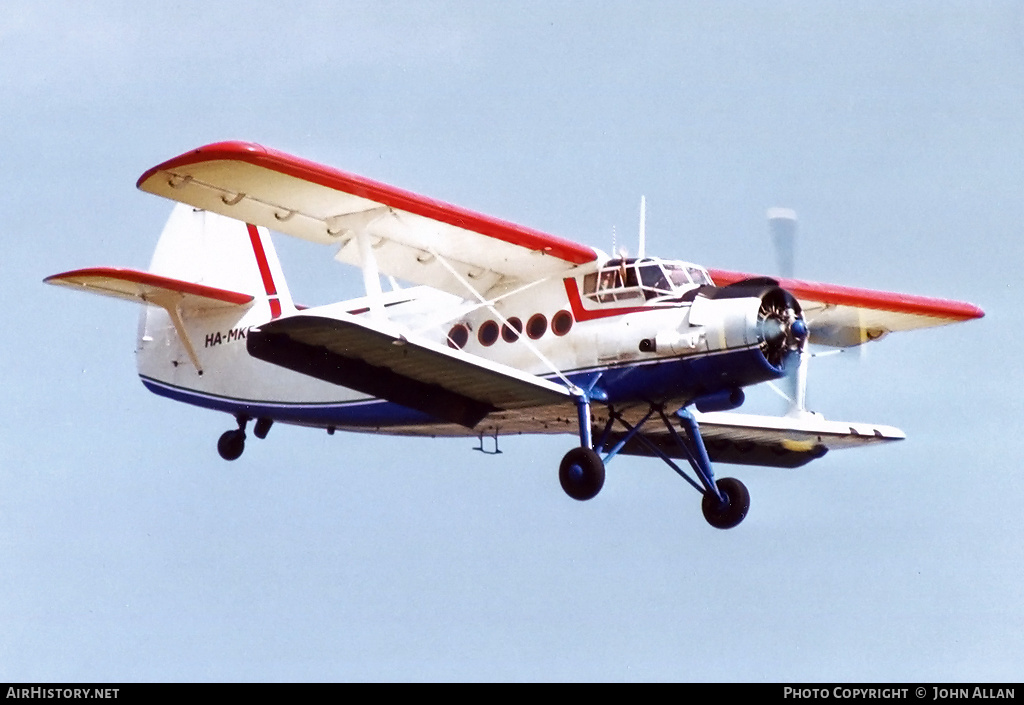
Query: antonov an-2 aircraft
[507,330]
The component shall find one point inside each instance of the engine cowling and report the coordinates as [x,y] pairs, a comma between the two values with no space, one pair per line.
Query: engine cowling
[748,314]
[729,338]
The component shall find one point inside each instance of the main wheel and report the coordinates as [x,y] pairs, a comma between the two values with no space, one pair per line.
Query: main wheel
[231,444]
[729,514]
[581,473]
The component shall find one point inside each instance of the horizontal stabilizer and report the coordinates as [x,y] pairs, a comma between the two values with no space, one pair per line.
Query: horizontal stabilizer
[773,441]
[143,287]
[375,358]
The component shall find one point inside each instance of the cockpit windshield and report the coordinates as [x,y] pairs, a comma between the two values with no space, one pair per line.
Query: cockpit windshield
[643,280]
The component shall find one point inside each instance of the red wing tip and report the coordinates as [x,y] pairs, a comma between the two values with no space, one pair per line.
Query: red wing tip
[227,149]
[114,272]
[973,311]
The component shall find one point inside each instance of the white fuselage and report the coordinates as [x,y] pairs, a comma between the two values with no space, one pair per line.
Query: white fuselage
[637,345]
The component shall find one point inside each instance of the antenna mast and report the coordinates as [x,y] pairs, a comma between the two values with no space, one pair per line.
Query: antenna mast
[642,252]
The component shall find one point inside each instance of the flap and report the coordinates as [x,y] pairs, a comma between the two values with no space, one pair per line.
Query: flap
[375,358]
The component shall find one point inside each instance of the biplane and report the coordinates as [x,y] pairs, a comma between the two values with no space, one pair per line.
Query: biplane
[496,329]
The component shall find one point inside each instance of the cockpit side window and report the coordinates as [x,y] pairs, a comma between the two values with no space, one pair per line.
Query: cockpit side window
[647,279]
[677,275]
[655,282]
[614,283]
[699,276]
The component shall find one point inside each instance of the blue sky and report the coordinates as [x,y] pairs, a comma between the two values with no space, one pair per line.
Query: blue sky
[130,551]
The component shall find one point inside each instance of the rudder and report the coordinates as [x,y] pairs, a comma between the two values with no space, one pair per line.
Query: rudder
[200,247]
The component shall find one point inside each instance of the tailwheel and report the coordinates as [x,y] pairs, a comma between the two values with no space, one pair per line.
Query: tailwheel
[231,444]
[727,514]
[581,473]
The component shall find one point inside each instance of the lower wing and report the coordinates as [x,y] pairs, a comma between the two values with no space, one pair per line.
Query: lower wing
[376,358]
[772,441]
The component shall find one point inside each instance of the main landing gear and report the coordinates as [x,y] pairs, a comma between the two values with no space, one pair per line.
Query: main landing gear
[581,472]
[231,444]
[730,510]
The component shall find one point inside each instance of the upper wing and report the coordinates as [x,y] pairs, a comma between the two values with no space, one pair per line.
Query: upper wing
[787,442]
[843,316]
[377,359]
[410,234]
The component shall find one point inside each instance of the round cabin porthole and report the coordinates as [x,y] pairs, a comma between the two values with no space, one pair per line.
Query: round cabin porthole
[511,331]
[561,322]
[458,336]
[536,326]
[488,333]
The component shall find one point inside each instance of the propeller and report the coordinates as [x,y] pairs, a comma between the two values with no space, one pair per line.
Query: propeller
[783,331]
[782,225]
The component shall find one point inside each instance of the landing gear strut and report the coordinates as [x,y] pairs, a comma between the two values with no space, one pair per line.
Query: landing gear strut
[231,444]
[730,512]
[582,470]
[725,502]
[581,473]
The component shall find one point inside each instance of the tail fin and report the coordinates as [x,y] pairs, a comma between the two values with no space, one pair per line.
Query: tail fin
[199,248]
[204,248]
[208,273]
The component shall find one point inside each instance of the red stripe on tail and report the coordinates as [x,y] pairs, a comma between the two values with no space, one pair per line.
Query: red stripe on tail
[264,266]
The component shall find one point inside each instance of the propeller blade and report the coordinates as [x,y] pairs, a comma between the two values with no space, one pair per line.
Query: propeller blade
[782,223]
[795,381]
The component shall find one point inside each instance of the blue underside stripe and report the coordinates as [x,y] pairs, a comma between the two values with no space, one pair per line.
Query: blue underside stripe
[679,378]
[370,413]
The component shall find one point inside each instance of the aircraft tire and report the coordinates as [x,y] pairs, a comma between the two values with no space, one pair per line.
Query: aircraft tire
[581,474]
[737,502]
[231,444]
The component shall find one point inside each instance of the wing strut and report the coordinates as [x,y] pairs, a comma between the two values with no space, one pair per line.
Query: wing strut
[371,275]
[432,323]
[576,391]
[173,309]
